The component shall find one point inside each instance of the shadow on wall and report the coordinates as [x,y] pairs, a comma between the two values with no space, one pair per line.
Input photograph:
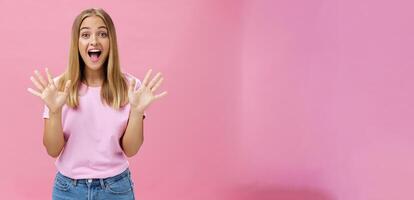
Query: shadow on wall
[278,193]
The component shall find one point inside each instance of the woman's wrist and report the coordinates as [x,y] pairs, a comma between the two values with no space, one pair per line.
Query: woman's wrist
[137,112]
[56,110]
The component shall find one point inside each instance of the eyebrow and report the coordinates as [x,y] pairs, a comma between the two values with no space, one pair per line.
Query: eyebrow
[85,27]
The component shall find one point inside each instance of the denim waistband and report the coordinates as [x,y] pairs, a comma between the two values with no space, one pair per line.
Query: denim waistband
[95,181]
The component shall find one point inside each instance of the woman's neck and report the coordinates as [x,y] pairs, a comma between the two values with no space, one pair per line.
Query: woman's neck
[94,78]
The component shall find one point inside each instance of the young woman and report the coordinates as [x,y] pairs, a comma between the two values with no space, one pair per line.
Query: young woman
[94,114]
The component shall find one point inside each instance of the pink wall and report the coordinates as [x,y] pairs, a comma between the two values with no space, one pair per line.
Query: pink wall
[267,99]
[327,100]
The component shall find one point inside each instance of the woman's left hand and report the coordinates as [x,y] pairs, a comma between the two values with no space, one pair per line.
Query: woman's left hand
[145,95]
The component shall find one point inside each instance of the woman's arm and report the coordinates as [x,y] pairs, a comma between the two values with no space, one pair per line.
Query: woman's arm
[54,99]
[139,100]
[133,137]
[53,138]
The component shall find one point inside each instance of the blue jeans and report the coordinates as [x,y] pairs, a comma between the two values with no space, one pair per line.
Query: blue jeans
[118,187]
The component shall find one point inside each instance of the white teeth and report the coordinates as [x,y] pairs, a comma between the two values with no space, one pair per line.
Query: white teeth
[94,50]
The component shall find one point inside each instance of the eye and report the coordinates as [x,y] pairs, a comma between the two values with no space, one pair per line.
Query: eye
[103,34]
[85,35]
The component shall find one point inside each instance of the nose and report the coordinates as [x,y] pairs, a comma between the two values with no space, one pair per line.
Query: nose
[93,40]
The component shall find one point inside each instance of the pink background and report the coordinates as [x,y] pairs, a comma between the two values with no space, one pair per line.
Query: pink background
[267,99]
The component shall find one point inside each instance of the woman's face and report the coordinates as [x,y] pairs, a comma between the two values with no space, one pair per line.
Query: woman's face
[93,42]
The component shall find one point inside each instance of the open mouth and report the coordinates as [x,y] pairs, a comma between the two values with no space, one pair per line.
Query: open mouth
[94,54]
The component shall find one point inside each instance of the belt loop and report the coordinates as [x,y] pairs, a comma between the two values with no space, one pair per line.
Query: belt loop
[74,182]
[102,183]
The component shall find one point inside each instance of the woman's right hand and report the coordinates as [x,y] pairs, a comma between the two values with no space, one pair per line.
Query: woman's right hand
[48,91]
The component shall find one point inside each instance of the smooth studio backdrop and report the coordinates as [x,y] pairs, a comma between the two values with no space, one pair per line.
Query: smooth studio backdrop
[268,99]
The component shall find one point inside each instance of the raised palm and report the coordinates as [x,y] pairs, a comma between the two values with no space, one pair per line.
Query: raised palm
[144,96]
[48,92]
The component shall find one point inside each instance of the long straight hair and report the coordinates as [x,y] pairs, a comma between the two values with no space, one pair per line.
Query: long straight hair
[114,90]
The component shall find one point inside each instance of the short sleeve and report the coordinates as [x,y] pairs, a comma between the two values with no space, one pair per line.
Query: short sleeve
[46,112]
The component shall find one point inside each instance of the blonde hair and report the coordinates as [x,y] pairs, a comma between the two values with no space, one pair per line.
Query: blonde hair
[114,89]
